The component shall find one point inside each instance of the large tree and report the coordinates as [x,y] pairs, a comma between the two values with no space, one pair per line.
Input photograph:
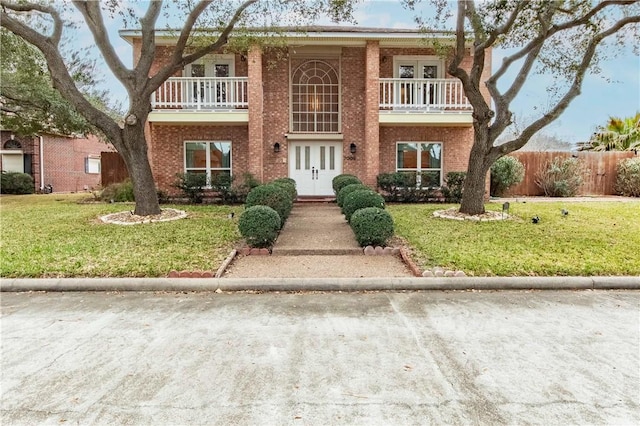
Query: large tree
[563,37]
[42,24]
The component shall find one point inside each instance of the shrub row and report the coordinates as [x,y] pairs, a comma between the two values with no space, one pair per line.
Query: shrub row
[364,210]
[229,190]
[266,210]
[628,177]
[403,187]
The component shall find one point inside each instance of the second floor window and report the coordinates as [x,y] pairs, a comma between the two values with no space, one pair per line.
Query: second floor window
[315,99]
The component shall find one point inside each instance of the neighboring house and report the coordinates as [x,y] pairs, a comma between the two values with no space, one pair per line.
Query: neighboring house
[362,101]
[68,164]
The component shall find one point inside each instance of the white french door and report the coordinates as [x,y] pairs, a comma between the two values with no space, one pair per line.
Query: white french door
[202,89]
[418,91]
[313,165]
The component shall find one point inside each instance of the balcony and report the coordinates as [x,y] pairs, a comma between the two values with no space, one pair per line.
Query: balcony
[201,99]
[424,101]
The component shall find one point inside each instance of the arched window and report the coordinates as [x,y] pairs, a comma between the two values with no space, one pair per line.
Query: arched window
[12,144]
[315,98]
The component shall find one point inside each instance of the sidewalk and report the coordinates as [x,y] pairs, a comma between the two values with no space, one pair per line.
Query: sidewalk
[317,242]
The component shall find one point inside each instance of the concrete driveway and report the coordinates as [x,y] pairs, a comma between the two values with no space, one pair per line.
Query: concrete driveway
[326,358]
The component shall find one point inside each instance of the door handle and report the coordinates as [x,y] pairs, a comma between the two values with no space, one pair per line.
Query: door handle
[312,171]
[316,174]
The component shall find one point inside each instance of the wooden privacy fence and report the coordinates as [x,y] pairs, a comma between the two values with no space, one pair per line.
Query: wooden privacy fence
[112,168]
[600,181]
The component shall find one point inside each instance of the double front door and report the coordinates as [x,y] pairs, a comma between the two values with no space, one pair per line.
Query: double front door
[313,165]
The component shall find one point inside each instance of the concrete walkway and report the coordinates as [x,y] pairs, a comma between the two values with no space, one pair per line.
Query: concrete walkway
[315,242]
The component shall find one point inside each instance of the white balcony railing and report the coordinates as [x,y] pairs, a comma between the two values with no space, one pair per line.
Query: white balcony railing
[195,93]
[427,95]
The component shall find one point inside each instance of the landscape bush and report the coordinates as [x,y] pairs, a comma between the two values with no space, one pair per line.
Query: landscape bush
[289,185]
[274,196]
[118,192]
[259,226]
[346,190]
[453,185]
[628,177]
[505,172]
[222,184]
[341,181]
[241,188]
[561,177]
[192,186]
[401,187]
[16,183]
[361,199]
[372,226]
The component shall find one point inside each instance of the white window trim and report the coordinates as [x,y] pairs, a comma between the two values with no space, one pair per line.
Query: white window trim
[339,76]
[208,167]
[417,61]
[419,167]
[87,168]
[228,59]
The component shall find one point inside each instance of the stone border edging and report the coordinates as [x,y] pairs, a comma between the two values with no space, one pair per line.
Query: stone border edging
[320,284]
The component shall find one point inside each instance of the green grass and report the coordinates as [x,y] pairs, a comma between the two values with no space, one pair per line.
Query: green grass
[596,238]
[55,236]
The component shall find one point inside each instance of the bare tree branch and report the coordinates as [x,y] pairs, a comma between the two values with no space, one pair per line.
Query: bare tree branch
[573,91]
[93,17]
[179,61]
[148,49]
[30,7]
[62,80]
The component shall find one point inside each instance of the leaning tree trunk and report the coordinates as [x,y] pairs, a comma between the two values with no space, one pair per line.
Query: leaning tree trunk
[134,154]
[474,184]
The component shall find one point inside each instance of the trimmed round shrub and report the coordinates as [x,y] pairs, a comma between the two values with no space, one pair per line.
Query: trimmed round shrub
[16,183]
[628,177]
[259,226]
[274,196]
[341,181]
[289,185]
[505,172]
[348,190]
[372,226]
[360,199]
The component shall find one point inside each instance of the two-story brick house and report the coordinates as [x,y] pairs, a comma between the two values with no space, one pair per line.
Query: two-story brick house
[339,100]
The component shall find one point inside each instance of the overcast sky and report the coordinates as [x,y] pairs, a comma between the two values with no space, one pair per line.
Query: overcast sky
[614,92]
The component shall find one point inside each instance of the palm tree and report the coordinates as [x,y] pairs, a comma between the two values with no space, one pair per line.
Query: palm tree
[620,134]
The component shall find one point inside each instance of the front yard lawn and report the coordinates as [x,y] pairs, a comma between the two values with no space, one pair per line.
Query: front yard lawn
[55,236]
[595,238]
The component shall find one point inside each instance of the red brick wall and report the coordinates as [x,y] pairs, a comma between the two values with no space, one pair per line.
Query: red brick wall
[168,147]
[64,162]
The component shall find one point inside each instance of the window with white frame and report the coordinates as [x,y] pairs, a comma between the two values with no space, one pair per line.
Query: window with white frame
[211,158]
[315,98]
[421,159]
[92,165]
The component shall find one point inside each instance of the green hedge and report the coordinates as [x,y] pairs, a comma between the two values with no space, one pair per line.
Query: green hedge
[372,226]
[361,199]
[401,187]
[341,181]
[346,190]
[259,226]
[274,196]
[16,183]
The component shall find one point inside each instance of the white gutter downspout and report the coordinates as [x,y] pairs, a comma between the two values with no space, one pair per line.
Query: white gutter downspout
[41,163]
